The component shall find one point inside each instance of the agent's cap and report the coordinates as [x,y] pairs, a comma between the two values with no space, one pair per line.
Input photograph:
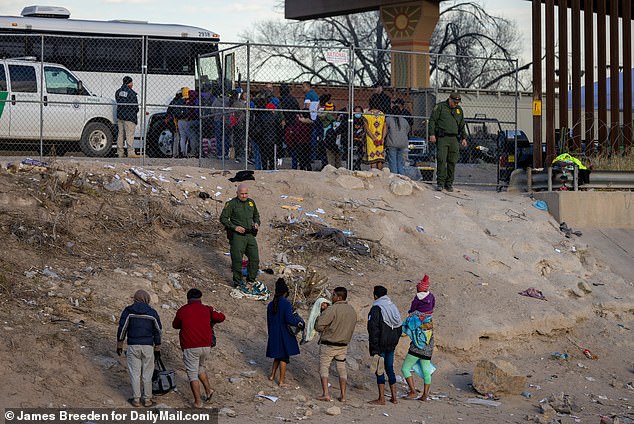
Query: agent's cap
[455,97]
[127,80]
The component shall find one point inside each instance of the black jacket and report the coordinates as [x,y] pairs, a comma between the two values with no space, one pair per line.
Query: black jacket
[381,338]
[127,104]
[141,324]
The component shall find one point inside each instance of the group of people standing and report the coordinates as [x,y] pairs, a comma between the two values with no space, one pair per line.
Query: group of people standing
[335,320]
[141,326]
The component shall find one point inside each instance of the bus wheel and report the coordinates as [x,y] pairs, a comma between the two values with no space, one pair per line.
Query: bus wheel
[96,141]
[160,141]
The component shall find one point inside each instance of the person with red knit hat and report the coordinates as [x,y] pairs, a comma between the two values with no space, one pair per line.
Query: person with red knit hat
[424,301]
[419,327]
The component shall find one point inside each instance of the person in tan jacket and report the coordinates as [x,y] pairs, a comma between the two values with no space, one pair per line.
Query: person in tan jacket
[335,325]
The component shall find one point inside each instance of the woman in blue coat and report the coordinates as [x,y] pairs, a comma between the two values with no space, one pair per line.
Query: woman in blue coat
[281,344]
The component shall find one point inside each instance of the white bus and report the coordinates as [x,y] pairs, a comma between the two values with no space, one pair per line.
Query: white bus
[161,59]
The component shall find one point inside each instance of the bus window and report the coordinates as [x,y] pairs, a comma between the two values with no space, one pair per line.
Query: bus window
[23,79]
[3,80]
[112,55]
[170,57]
[175,57]
[60,81]
[64,50]
[12,46]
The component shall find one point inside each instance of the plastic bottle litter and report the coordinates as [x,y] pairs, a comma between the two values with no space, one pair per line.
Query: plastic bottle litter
[559,355]
[589,354]
[347,233]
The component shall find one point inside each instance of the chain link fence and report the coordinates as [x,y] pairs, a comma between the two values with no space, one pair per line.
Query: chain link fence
[243,106]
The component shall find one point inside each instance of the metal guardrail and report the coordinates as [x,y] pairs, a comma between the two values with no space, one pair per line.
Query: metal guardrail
[543,179]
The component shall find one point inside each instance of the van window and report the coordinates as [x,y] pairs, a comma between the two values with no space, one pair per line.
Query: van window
[59,81]
[23,79]
[3,79]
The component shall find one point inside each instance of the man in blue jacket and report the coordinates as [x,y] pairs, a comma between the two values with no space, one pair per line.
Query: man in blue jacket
[127,110]
[141,324]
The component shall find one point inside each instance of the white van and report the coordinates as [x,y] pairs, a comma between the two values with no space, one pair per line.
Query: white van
[68,112]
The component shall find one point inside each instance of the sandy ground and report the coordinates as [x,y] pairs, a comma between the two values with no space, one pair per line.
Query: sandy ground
[74,252]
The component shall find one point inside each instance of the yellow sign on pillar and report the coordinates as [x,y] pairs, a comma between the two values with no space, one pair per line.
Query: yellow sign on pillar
[537,108]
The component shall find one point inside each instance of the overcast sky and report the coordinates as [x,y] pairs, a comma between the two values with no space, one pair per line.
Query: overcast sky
[225,17]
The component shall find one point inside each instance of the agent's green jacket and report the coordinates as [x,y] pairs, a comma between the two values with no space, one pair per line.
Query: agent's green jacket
[237,213]
[448,120]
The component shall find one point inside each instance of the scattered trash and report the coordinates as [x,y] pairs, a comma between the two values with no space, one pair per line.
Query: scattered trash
[469,258]
[527,395]
[420,229]
[320,210]
[347,233]
[585,351]
[204,195]
[255,291]
[568,231]
[291,207]
[485,402]
[535,386]
[590,378]
[312,215]
[541,205]
[269,397]
[534,293]
[559,355]
[589,354]
[557,250]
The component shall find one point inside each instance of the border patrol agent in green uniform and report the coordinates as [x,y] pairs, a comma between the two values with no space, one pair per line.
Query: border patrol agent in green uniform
[446,127]
[241,218]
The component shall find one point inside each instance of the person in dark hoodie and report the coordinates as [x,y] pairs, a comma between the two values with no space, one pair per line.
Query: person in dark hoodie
[384,332]
[421,332]
[141,324]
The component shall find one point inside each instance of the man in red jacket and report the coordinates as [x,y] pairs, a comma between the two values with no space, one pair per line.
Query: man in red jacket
[195,321]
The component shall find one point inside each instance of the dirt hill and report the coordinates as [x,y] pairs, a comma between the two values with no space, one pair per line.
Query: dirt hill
[80,237]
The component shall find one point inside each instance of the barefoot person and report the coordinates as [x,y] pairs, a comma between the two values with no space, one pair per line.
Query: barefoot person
[384,332]
[281,344]
[419,327]
[195,321]
[335,325]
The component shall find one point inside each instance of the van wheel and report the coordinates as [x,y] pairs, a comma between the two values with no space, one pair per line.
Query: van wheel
[160,141]
[96,140]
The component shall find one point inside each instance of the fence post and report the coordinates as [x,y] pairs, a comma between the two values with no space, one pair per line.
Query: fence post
[351,158]
[144,60]
[41,97]
[248,107]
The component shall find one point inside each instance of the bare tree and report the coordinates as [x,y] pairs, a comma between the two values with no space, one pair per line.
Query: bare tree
[295,51]
[470,48]
[473,49]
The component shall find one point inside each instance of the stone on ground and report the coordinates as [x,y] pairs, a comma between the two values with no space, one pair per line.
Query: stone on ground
[333,410]
[497,376]
[401,187]
[349,182]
